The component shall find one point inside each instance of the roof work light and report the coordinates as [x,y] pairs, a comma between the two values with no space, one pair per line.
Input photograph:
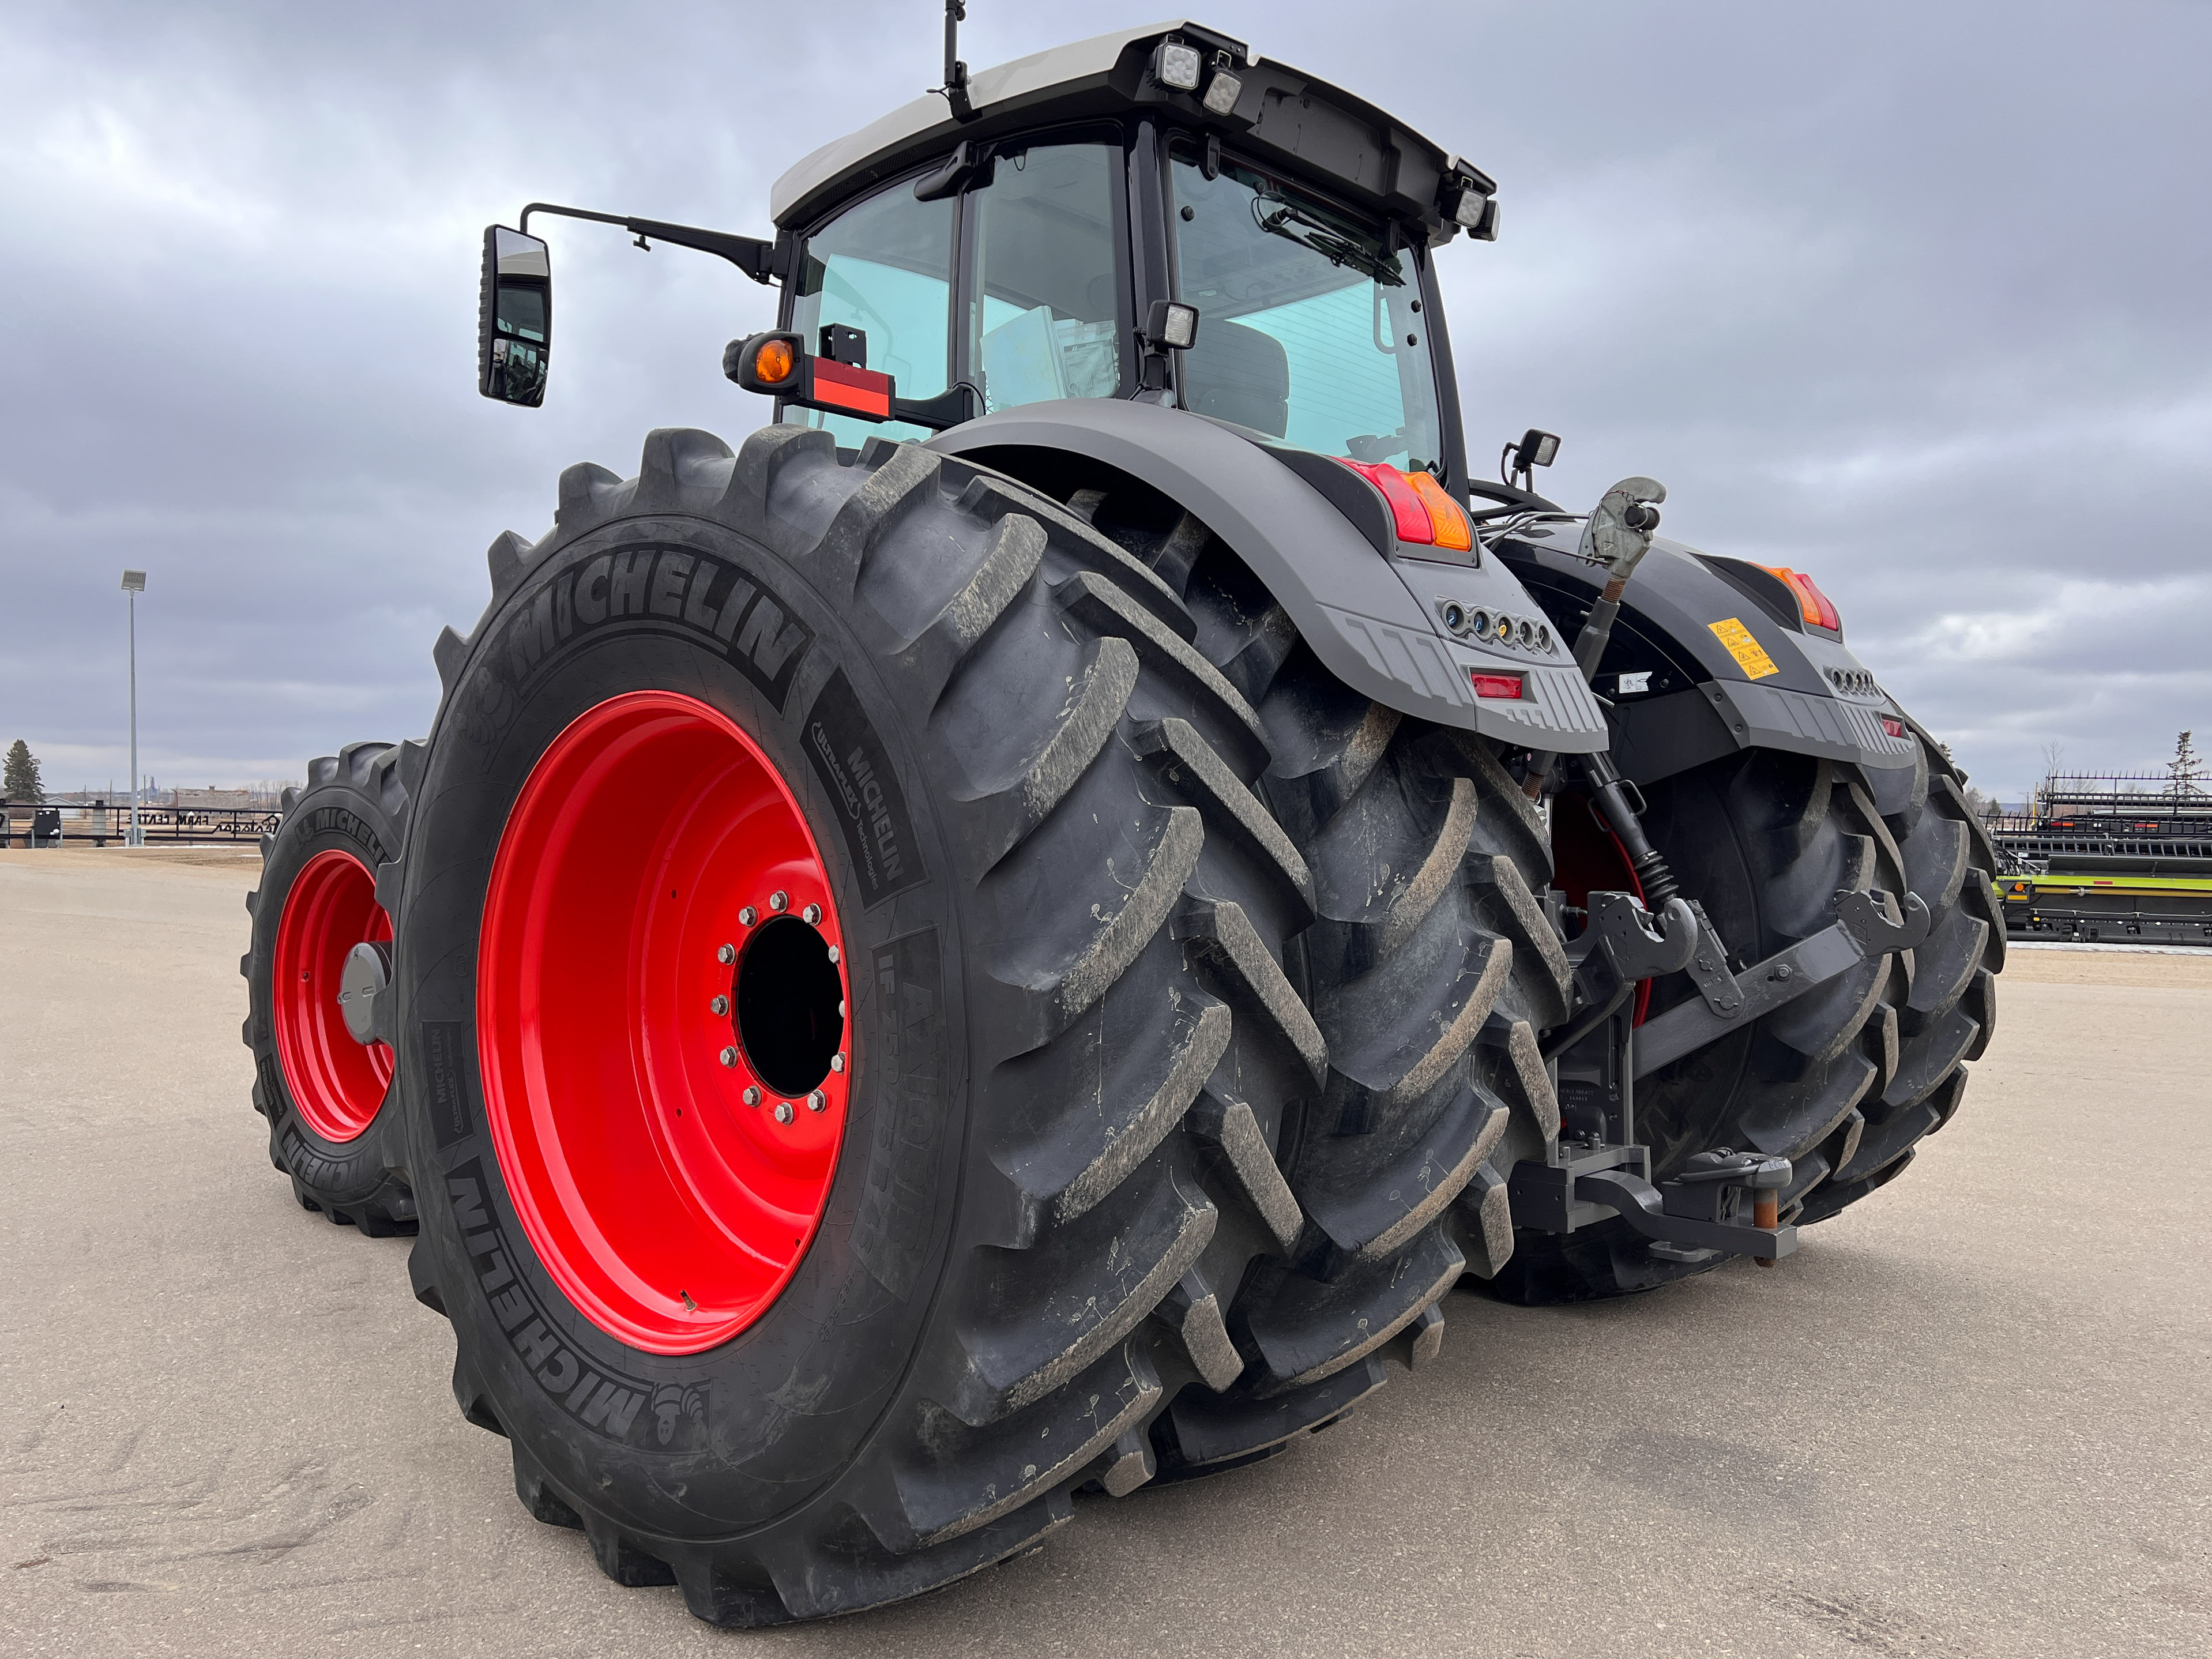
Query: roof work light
[1177,65]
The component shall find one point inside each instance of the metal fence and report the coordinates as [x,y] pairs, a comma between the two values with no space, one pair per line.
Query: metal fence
[102,824]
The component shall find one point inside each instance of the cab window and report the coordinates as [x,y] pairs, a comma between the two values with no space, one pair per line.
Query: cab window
[1310,327]
[885,265]
[1047,317]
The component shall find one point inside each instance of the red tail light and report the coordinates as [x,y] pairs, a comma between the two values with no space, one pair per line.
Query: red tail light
[1814,606]
[1830,616]
[1893,725]
[1411,518]
[1507,686]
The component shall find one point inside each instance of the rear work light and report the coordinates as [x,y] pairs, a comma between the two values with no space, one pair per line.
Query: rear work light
[1420,512]
[1507,686]
[1814,606]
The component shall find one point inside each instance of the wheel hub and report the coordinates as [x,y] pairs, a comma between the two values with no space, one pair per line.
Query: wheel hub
[367,974]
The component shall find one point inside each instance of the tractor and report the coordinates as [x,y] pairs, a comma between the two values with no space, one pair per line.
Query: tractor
[1014,936]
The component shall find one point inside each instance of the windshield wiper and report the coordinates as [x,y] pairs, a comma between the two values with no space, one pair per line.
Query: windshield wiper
[1296,224]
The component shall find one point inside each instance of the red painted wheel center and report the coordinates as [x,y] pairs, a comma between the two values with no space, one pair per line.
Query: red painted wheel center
[661,1003]
[337,1084]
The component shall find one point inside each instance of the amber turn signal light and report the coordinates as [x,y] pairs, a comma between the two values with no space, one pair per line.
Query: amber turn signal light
[1447,520]
[772,361]
[765,362]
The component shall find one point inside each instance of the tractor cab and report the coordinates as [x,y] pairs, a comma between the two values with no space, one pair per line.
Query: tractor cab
[1152,215]
[1155,216]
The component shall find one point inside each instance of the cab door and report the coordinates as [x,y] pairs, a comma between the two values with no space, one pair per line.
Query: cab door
[1016,291]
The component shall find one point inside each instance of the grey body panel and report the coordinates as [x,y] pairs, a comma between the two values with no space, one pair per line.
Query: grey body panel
[1372,620]
[1820,700]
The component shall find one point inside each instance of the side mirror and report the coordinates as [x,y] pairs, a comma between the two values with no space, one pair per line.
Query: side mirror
[514,321]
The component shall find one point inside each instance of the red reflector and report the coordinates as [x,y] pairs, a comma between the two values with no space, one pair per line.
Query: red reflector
[1409,516]
[1892,725]
[840,386]
[1495,685]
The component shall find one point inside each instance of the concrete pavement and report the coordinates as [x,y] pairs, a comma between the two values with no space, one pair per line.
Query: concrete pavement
[1970,1417]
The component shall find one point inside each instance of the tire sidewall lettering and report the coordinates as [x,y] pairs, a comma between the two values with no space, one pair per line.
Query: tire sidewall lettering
[689,606]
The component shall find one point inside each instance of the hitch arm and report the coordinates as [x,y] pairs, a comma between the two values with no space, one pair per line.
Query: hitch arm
[1644,1208]
[1862,929]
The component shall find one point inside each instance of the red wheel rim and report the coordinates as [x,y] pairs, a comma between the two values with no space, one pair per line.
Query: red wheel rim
[669,1208]
[337,1084]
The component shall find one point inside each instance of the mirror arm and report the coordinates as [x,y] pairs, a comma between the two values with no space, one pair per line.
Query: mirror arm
[757,259]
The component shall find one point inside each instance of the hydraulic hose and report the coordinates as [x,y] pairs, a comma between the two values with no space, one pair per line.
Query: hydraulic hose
[1609,796]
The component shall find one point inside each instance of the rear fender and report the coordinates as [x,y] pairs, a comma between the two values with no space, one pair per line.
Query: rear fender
[1369,610]
[1725,670]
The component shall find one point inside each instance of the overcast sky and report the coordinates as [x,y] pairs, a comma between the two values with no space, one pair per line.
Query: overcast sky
[1913,297]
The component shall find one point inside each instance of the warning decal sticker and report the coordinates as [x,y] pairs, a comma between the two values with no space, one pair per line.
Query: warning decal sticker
[1749,657]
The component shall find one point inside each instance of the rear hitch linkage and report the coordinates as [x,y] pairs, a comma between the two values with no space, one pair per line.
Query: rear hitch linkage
[1724,1202]
[1597,1168]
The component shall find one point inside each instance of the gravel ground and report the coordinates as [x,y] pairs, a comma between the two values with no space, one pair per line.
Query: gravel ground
[1969,1417]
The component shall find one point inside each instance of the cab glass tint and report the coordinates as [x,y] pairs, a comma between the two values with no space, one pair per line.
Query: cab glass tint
[884,266]
[1047,318]
[1310,326]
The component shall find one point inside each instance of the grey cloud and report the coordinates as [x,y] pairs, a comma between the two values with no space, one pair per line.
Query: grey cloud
[1908,296]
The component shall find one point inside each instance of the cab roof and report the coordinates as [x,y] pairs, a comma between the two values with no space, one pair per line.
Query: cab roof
[1282,115]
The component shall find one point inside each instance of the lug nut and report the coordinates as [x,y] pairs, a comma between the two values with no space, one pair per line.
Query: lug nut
[718,1005]
[811,914]
[816,1101]
[748,916]
[833,957]
[729,1056]
[783,1111]
[752,1094]
[728,953]
[836,1062]
[779,901]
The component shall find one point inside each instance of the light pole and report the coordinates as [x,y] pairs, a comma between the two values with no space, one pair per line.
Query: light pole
[134,584]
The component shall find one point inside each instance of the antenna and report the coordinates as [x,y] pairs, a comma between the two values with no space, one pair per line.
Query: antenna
[956,72]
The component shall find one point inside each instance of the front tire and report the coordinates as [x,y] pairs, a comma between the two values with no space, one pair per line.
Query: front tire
[332,1128]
